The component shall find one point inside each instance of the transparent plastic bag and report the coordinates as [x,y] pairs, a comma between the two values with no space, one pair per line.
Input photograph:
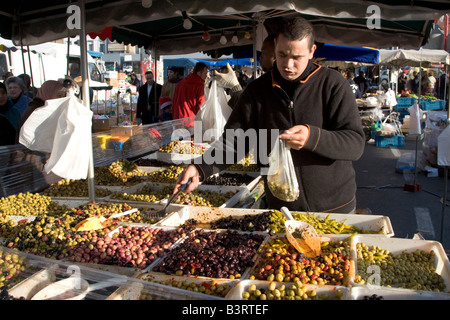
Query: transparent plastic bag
[281,176]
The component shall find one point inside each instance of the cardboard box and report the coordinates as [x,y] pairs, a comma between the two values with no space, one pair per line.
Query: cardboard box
[126,131]
[99,125]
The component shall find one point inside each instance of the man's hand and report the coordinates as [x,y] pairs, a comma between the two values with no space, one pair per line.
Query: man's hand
[226,80]
[190,172]
[296,136]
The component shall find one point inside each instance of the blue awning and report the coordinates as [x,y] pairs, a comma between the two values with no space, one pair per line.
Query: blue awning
[95,54]
[332,52]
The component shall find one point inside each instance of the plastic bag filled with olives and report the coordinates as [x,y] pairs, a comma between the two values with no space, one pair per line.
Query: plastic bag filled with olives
[281,177]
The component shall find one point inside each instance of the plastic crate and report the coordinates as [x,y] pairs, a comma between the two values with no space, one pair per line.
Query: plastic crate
[428,105]
[405,102]
[386,141]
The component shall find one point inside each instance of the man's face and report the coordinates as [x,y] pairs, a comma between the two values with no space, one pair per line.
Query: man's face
[149,78]
[171,75]
[204,74]
[3,96]
[292,56]
[267,56]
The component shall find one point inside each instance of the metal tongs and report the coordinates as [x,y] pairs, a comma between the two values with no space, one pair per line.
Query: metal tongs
[162,213]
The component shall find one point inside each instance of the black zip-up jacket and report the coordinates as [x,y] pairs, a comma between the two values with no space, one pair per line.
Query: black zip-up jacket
[320,99]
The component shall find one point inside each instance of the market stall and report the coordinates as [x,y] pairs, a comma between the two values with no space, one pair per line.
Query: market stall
[235,258]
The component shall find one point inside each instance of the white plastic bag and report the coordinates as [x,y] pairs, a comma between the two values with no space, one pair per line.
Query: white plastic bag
[415,114]
[281,176]
[63,128]
[214,113]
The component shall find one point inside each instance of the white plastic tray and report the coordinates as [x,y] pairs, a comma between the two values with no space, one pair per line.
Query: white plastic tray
[362,221]
[159,186]
[204,215]
[179,158]
[164,278]
[244,275]
[397,246]
[358,293]
[237,291]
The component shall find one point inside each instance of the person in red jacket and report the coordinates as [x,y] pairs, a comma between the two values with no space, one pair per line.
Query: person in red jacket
[190,93]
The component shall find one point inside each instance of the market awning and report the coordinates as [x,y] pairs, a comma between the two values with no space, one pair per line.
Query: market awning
[95,54]
[332,52]
[403,23]
[414,58]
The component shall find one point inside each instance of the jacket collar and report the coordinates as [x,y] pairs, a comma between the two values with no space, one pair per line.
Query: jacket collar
[310,70]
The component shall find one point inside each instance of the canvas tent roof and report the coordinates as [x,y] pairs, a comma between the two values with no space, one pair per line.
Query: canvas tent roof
[47,21]
[414,58]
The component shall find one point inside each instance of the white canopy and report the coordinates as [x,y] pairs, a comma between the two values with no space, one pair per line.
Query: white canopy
[414,58]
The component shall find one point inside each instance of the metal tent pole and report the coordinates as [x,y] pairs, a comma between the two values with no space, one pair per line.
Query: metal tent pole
[86,101]
[444,203]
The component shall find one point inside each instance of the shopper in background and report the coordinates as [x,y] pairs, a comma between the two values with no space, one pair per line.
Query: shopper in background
[28,88]
[147,109]
[362,82]
[348,74]
[316,112]
[189,93]
[173,77]
[7,75]
[431,83]
[267,57]
[16,88]
[165,104]
[50,89]
[134,81]
[402,80]
[8,117]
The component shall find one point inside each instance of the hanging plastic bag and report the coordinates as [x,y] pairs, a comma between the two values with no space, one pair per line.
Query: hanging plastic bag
[415,114]
[214,113]
[281,176]
[61,127]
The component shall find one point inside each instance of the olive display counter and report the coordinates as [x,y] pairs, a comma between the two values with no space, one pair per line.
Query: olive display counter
[206,247]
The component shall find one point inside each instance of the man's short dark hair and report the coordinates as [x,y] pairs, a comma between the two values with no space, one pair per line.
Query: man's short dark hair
[199,66]
[297,28]
[148,72]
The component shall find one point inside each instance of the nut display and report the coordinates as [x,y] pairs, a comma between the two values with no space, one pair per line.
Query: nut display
[212,254]
[410,270]
[322,225]
[291,291]
[280,262]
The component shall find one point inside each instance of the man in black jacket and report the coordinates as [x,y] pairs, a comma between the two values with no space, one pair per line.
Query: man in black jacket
[147,110]
[314,109]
